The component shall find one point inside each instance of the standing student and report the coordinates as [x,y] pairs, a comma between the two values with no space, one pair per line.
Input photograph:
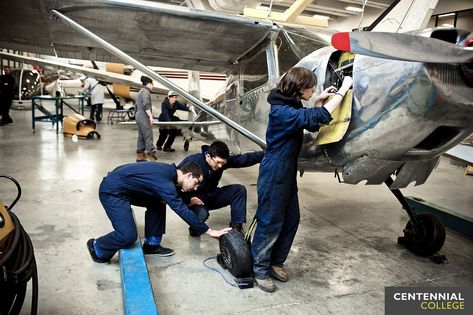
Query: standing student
[94,89]
[145,150]
[7,86]
[151,185]
[278,205]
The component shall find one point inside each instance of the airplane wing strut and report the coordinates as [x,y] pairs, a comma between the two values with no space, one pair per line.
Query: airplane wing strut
[155,76]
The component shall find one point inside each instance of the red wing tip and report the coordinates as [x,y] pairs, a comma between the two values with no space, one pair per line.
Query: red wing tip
[341,41]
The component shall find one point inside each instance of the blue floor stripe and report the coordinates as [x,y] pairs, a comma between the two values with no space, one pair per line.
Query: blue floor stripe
[138,298]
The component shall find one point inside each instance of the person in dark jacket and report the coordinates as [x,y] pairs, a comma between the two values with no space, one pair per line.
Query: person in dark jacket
[151,185]
[7,86]
[214,160]
[168,108]
[278,206]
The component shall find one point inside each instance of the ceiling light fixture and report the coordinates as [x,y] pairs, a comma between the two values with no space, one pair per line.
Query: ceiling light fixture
[354,9]
[446,15]
[317,16]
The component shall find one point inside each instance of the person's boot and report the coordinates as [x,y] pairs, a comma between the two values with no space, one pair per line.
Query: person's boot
[237,226]
[151,157]
[140,156]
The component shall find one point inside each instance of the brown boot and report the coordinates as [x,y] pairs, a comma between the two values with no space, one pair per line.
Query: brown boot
[266,285]
[140,156]
[278,273]
[151,157]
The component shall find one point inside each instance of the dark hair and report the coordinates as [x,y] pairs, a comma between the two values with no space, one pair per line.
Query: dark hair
[220,149]
[295,80]
[145,80]
[192,167]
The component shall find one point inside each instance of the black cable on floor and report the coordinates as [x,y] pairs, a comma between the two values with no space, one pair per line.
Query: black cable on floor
[17,267]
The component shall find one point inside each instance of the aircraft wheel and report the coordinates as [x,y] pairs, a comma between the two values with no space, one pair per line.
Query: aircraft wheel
[186,145]
[428,238]
[236,254]
[131,113]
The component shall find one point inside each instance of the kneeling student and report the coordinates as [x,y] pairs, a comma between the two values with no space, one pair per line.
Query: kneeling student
[151,185]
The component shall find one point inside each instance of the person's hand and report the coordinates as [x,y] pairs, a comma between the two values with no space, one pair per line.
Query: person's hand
[347,82]
[151,120]
[196,201]
[216,234]
[326,93]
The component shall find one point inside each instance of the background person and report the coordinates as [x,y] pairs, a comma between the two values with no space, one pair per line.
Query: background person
[94,89]
[7,91]
[151,185]
[168,108]
[145,150]
[214,160]
[278,205]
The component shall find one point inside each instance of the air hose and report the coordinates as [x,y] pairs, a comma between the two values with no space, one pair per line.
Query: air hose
[17,266]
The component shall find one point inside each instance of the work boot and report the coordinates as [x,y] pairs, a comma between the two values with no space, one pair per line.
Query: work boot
[267,285]
[157,250]
[93,254]
[140,156]
[278,273]
[151,157]
[237,226]
[193,233]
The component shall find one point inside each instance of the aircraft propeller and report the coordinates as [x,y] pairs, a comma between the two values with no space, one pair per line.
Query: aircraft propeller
[404,47]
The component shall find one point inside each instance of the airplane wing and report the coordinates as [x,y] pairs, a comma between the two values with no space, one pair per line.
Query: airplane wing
[403,46]
[154,33]
[105,76]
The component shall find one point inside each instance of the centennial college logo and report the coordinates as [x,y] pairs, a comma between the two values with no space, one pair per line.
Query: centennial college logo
[428,300]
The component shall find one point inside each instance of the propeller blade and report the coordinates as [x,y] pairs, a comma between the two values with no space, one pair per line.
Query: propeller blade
[402,47]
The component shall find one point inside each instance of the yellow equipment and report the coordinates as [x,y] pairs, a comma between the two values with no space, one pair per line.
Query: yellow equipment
[78,125]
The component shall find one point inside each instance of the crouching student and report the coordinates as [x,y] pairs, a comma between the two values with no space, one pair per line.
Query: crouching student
[151,185]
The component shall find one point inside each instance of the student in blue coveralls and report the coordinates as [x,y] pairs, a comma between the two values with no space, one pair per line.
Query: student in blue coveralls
[168,108]
[151,185]
[278,206]
[214,160]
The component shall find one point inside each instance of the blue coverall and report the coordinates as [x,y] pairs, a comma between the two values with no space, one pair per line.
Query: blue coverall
[167,114]
[147,184]
[215,197]
[278,205]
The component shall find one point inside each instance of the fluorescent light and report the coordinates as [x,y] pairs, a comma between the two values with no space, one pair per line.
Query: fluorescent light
[447,25]
[262,7]
[317,16]
[446,15]
[354,9]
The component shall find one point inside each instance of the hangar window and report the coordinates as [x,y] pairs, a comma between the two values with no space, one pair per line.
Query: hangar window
[255,72]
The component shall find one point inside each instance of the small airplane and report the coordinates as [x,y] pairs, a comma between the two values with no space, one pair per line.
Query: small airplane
[411,101]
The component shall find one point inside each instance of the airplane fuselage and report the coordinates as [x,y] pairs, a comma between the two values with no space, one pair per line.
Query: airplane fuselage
[404,114]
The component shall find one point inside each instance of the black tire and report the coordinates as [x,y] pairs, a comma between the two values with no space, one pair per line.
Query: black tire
[131,113]
[427,238]
[236,254]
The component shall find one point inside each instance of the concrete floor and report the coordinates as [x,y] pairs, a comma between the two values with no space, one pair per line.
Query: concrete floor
[344,255]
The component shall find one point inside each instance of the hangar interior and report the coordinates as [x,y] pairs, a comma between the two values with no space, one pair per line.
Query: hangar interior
[344,256]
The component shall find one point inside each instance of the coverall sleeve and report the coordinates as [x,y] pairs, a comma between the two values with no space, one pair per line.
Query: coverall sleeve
[175,202]
[245,160]
[146,101]
[181,106]
[307,118]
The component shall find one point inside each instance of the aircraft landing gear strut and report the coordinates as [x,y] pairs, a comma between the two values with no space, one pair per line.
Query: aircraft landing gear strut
[424,233]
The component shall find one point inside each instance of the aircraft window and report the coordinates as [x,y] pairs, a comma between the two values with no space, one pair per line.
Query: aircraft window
[255,72]
[287,57]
